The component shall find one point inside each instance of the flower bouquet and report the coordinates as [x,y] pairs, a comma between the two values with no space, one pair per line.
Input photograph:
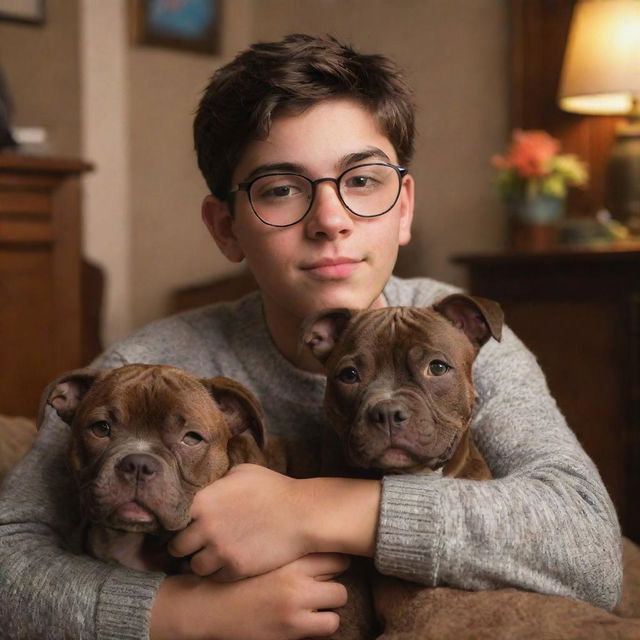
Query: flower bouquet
[535,177]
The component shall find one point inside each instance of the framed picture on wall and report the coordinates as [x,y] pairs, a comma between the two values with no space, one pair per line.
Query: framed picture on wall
[29,11]
[190,25]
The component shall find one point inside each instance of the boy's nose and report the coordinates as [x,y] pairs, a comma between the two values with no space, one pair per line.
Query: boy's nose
[328,219]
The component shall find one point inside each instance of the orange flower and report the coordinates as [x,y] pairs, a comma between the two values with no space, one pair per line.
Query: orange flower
[530,154]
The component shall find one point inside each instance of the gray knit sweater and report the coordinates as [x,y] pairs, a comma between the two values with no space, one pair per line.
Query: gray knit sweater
[544,523]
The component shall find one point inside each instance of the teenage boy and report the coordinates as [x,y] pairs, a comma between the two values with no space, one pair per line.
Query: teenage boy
[304,144]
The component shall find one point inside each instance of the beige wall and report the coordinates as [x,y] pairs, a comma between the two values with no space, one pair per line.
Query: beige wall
[41,64]
[171,247]
[129,109]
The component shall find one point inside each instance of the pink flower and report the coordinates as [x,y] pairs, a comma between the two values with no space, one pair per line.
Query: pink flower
[530,153]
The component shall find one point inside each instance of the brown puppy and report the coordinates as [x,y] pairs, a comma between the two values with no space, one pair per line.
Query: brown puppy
[399,388]
[144,440]
[400,399]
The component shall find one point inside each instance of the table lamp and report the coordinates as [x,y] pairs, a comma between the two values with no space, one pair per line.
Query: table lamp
[601,76]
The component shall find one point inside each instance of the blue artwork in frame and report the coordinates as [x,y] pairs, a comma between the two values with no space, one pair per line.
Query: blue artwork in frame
[182,24]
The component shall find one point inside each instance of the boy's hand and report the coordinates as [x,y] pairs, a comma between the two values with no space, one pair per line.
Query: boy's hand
[245,524]
[254,520]
[286,604]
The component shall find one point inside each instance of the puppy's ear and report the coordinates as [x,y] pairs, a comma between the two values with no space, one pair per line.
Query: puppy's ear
[240,407]
[65,393]
[479,318]
[321,331]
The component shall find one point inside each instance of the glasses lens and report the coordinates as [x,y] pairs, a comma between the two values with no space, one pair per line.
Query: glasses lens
[280,199]
[370,189]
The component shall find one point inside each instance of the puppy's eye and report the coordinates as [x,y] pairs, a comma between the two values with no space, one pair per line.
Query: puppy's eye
[438,368]
[192,438]
[349,375]
[100,429]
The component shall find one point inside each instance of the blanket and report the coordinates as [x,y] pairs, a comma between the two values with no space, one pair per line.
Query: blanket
[511,614]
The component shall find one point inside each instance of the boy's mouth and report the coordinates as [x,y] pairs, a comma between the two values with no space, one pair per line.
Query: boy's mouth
[332,268]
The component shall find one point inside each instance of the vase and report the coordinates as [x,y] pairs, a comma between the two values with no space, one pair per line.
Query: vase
[547,210]
[534,222]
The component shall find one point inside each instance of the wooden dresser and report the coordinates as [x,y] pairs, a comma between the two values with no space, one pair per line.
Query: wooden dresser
[579,312]
[40,276]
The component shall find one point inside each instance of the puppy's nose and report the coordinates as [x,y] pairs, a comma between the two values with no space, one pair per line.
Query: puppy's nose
[138,466]
[389,414]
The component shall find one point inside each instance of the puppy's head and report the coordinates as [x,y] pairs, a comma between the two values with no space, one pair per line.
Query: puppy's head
[399,388]
[145,439]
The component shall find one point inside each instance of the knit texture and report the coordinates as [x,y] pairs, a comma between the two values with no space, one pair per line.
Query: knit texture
[544,523]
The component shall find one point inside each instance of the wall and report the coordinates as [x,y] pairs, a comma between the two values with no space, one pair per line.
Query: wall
[105,140]
[41,64]
[171,247]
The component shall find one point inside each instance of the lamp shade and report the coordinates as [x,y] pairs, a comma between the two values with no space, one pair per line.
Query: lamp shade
[601,70]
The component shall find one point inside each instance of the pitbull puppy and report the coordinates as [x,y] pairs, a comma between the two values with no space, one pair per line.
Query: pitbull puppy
[399,388]
[144,440]
[400,399]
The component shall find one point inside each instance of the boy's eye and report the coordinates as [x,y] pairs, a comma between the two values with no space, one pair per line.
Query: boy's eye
[361,181]
[438,368]
[281,192]
[100,429]
[349,375]
[278,187]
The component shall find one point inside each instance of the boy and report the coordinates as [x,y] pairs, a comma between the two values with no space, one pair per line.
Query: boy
[304,144]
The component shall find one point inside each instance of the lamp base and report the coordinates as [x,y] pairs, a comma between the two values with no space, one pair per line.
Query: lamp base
[623,177]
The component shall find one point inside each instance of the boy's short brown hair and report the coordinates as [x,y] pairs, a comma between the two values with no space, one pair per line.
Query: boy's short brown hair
[284,78]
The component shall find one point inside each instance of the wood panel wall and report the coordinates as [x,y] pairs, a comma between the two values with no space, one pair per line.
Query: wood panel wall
[539,30]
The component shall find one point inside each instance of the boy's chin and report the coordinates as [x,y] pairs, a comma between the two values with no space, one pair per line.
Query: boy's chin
[341,298]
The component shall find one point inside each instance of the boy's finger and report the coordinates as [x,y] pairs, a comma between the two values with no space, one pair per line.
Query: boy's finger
[320,623]
[185,543]
[205,563]
[327,595]
[225,574]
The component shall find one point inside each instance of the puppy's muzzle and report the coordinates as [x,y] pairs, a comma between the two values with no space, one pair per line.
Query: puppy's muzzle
[138,467]
[388,415]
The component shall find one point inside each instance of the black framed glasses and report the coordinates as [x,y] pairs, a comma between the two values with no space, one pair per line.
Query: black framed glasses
[284,199]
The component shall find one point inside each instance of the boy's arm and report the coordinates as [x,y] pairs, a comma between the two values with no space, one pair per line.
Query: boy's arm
[46,590]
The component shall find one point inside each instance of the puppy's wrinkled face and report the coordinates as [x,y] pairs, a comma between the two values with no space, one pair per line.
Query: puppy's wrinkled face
[399,390]
[144,441]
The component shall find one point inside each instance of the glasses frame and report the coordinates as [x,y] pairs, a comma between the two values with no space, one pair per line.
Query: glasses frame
[246,187]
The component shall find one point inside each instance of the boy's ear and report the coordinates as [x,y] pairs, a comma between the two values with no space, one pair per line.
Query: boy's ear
[218,220]
[407,200]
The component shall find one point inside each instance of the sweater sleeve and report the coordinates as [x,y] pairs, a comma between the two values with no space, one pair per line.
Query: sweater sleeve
[544,523]
[47,589]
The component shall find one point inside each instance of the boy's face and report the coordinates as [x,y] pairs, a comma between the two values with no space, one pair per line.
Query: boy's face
[331,258]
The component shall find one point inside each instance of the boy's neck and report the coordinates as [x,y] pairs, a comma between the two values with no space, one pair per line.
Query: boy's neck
[285,333]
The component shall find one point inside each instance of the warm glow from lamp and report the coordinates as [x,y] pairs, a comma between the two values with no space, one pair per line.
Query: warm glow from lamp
[601,71]
[601,76]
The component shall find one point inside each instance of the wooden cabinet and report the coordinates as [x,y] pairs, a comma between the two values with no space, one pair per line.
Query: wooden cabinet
[579,312]
[40,276]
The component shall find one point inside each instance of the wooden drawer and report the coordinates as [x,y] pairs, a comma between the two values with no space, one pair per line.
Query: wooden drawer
[40,266]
